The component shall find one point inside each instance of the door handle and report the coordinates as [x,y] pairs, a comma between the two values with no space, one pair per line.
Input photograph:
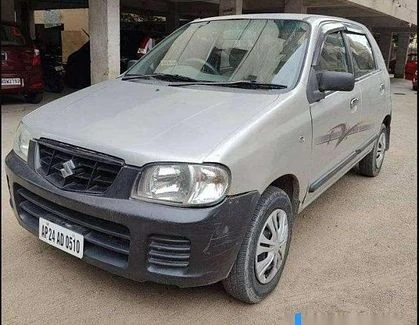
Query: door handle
[382,87]
[353,103]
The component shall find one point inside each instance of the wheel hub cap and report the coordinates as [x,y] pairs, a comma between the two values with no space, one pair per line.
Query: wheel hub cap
[381,147]
[271,246]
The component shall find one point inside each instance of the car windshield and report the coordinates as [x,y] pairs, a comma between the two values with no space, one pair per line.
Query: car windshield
[11,35]
[268,51]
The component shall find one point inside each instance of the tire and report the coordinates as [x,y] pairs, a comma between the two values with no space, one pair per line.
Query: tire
[35,98]
[243,283]
[370,165]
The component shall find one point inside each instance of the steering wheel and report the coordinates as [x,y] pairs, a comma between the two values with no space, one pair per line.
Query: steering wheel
[205,63]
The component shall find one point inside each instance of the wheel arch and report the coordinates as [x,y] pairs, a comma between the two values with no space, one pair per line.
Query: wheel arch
[289,184]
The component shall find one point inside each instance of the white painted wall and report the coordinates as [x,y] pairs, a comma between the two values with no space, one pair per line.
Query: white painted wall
[104,27]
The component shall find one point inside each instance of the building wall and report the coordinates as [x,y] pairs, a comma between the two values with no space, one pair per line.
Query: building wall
[74,21]
[405,10]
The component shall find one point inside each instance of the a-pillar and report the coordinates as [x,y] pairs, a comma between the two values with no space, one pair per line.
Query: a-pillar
[385,43]
[401,54]
[230,7]
[104,27]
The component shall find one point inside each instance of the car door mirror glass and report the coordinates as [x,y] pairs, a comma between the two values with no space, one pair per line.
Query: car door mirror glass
[335,81]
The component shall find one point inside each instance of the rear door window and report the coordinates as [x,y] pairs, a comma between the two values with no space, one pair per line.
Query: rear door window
[11,36]
[362,55]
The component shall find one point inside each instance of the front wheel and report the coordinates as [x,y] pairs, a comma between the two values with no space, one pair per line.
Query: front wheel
[371,164]
[264,250]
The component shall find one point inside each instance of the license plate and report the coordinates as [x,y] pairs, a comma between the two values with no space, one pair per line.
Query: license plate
[10,82]
[60,237]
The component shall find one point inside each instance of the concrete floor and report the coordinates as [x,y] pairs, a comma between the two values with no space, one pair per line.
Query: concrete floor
[353,250]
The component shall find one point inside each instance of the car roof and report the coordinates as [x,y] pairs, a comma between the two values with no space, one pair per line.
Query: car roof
[312,19]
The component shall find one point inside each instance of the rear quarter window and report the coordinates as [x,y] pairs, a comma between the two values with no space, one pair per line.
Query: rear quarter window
[362,54]
[11,35]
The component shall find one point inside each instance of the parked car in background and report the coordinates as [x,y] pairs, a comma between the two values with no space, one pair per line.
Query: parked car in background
[21,69]
[192,166]
[411,66]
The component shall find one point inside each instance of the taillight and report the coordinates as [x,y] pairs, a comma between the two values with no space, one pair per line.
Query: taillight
[36,60]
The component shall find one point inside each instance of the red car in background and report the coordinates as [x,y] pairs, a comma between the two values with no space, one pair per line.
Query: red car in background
[21,70]
[411,66]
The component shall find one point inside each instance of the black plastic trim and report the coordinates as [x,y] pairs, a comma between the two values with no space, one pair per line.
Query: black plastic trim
[325,178]
[215,233]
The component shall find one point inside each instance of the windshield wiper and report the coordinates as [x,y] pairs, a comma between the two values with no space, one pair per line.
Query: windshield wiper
[246,84]
[159,76]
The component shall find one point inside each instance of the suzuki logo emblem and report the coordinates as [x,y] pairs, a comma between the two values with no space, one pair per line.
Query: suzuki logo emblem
[68,168]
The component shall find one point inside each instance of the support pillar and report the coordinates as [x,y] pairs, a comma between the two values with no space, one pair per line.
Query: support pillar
[385,44]
[8,10]
[172,17]
[401,54]
[295,6]
[230,7]
[31,24]
[104,26]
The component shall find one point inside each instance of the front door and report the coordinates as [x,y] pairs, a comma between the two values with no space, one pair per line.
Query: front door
[336,118]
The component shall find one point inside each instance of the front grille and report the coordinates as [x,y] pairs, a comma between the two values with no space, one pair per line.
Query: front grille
[169,251]
[75,169]
[104,240]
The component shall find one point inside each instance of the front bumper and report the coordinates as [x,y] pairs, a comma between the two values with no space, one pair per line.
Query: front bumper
[139,240]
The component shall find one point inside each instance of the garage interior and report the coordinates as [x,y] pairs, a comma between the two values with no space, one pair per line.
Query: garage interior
[388,20]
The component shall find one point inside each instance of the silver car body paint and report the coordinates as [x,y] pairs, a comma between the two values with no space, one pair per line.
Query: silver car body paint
[259,134]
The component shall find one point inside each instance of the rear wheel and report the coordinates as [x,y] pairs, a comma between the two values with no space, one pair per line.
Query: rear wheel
[264,250]
[371,164]
[34,98]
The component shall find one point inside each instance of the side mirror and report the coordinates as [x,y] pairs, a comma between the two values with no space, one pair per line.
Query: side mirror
[339,81]
[131,63]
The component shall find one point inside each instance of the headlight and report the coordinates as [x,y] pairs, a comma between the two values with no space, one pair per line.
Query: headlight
[21,142]
[182,184]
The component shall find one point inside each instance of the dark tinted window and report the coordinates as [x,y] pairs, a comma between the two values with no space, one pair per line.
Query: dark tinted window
[363,59]
[333,55]
[11,35]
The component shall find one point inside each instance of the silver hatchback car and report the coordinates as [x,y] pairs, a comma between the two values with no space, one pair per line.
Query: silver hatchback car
[191,167]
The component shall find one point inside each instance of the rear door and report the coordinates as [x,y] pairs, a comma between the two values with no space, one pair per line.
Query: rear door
[336,116]
[372,81]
